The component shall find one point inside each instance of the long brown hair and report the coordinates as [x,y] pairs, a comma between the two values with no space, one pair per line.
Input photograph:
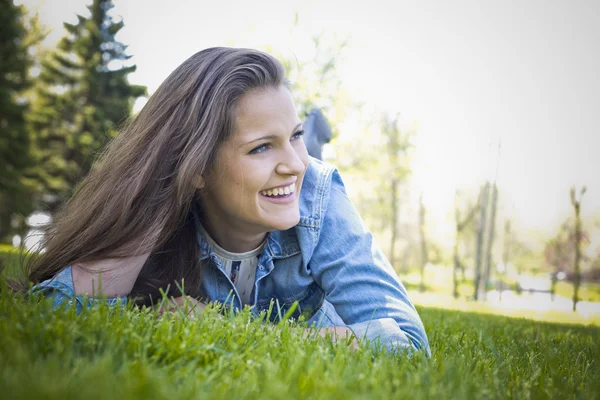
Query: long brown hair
[138,198]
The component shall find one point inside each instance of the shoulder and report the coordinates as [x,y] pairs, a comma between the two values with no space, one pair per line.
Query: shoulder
[315,192]
[326,210]
[63,282]
[61,290]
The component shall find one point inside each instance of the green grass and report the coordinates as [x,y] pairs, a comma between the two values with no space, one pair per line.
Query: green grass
[439,279]
[588,291]
[11,258]
[444,301]
[107,354]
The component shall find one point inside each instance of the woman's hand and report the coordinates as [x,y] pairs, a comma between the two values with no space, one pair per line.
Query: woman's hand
[339,333]
[189,305]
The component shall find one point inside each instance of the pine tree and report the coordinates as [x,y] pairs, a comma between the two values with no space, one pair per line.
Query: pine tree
[15,154]
[83,96]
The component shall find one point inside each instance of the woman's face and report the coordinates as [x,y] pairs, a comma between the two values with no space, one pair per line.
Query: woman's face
[254,184]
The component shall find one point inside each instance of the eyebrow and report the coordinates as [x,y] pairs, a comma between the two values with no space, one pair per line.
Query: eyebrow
[269,136]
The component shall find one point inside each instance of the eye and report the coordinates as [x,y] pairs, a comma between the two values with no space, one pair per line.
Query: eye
[262,148]
[298,135]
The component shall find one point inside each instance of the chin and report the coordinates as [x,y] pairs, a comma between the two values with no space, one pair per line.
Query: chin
[285,223]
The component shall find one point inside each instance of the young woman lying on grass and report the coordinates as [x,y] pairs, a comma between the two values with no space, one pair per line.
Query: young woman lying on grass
[210,189]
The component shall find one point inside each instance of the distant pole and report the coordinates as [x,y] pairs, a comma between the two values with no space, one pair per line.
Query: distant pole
[577,275]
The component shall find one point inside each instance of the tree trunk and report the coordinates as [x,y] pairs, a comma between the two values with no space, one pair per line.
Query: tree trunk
[577,274]
[460,225]
[5,228]
[405,254]
[394,222]
[455,255]
[480,240]
[489,246]
[455,269]
[424,258]
[505,255]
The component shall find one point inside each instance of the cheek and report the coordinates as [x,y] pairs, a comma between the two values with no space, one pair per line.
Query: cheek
[232,187]
[305,159]
[251,180]
[303,154]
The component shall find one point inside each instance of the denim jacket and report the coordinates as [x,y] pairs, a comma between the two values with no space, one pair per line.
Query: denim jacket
[328,264]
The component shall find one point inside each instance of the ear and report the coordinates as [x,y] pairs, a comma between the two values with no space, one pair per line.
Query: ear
[201,182]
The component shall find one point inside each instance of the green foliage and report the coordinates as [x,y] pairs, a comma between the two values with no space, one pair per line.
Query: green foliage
[119,353]
[11,261]
[316,82]
[17,35]
[559,252]
[375,163]
[14,65]
[82,97]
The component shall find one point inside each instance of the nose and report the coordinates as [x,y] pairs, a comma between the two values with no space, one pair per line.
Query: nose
[292,159]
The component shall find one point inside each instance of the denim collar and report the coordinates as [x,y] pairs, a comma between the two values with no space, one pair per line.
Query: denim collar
[280,244]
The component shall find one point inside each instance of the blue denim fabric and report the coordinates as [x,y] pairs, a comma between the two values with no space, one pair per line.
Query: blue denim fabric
[62,289]
[328,264]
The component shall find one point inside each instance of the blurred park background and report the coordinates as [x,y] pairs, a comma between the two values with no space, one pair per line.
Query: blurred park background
[467,132]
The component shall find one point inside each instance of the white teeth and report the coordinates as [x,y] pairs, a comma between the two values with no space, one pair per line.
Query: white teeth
[280,191]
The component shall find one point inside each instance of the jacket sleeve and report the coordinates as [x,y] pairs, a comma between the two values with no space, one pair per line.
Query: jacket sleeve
[359,281]
[62,290]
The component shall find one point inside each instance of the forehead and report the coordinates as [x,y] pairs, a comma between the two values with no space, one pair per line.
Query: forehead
[264,111]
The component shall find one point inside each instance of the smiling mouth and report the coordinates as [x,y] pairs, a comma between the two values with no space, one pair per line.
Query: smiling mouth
[280,192]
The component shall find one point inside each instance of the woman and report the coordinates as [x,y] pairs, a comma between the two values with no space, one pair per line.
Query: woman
[211,186]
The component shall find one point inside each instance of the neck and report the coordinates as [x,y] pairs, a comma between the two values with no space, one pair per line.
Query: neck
[233,239]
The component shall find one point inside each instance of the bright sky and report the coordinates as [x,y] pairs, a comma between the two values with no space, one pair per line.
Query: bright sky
[525,74]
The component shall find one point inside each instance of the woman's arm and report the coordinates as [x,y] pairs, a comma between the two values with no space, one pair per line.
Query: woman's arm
[359,281]
[81,284]
[111,277]
[61,288]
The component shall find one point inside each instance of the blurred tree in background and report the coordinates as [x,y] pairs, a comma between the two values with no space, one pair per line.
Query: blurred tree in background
[485,239]
[559,252]
[316,82]
[376,164]
[81,97]
[566,251]
[462,219]
[18,35]
[397,143]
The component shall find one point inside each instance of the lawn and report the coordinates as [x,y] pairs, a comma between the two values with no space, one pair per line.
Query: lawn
[439,279]
[123,353]
[11,259]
